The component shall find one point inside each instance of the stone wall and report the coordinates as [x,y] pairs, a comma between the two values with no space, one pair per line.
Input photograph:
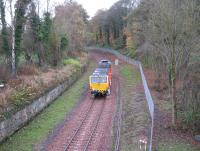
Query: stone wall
[20,118]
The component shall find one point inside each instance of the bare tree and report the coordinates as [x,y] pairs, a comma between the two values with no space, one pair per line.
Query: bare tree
[69,20]
[17,25]
[171,31]
[48,1]
[13,37]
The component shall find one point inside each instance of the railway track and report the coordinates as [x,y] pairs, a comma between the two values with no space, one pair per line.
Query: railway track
[82,138]
[89,127]
[119,121]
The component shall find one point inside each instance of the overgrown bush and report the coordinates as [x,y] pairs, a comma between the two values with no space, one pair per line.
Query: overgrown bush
[191,117]
[118,43]
[190,99]
[4,73]
[28,69]
[64,42]
[71,61]
[22,95]
[131,48]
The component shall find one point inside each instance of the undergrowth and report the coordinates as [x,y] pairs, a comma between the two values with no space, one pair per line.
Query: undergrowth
[127,73]
[29,137]
[135,115]
[22,94]
[71,61]
[176,146]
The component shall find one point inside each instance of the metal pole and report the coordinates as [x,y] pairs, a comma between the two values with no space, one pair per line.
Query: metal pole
[151,139]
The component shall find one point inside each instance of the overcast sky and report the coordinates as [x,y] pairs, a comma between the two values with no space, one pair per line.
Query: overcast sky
[90,5]
[93,5]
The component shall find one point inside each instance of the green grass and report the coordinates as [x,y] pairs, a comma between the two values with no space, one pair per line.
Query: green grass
[135,116]
[38,129]
[2,58]
[71,61]
[165,105]
[128,72]
[22,95]
[22,60]
[176,147]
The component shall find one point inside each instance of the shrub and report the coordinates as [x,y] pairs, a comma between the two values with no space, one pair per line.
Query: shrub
[190,99]
[4,73]
[71,61]
[118,43]
[130,47]
[191,117]
[28,69]
[21,95]
[63,43]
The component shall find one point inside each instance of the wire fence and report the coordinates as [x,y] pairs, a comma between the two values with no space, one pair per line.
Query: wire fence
[145,85]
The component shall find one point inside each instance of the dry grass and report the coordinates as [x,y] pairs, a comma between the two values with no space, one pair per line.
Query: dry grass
[75,54]
[32,82]
[4,73]
[180,140]
[28,69]
[30,137]
[135,111]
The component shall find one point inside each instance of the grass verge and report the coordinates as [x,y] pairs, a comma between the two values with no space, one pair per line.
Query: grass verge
[129,73]
[176,146]
[39,128]
[135,113]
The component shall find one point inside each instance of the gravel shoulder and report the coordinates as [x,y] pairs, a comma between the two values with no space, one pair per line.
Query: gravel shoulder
[135,115]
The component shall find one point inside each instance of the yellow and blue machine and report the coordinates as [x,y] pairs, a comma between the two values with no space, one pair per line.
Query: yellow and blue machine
[100,80]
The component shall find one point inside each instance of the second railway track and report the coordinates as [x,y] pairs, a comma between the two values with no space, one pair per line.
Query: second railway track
[83,135]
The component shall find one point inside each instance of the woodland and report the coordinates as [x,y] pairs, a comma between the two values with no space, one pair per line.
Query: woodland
[163,34]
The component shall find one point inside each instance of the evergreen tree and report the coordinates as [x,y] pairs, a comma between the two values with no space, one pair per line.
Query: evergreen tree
[20,19]
[3,31]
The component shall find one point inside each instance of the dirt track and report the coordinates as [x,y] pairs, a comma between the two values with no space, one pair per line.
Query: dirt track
[101,139]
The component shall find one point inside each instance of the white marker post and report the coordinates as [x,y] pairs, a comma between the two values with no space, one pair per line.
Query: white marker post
[116,62]
[1,85]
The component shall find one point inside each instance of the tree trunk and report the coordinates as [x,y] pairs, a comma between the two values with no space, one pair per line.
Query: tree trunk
[40,54]
[173,96]
[97,38]
[13,53]
[13,42]
[4,33]
[173,85]
[100,36]
[108,36]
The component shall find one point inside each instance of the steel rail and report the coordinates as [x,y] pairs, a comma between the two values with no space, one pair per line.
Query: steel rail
[119,121]
[145,85]
[81,124]
[79,127]
[94,129]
